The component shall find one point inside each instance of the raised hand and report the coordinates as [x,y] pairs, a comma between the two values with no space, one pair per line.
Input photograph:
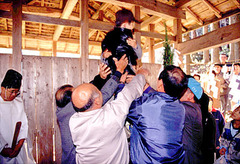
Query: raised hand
[104,71]
[121,64]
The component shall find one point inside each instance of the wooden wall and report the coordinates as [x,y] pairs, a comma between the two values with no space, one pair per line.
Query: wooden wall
[41,78]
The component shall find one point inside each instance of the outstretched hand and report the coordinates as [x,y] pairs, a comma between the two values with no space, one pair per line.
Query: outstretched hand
[104,71]
[121,64]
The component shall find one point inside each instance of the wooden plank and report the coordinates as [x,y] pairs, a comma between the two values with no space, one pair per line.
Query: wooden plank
[195,16]
[74,76]
[60,76]
[4,65]
[94,68]
[212,8]
[17,34]
[151,7]
[216,38]
[44,109]
[29,96]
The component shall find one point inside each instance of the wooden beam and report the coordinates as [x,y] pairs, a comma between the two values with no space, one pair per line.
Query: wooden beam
[183,3]
[152,7]
[212,8]
[156,35]
[93,24]
[103,7]
[84,41]
[195,16]
[237,3]
[66,13]
[48,38]
[149,21]
[216,38]
[17,34]
[137,14]
[96,15]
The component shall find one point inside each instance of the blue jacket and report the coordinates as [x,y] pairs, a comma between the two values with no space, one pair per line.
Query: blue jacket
[157,125]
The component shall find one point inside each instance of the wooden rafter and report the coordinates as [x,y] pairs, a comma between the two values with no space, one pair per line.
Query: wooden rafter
[161,23]
[40,29]
[5,24]
[149,21]
[237,3]
[195,16]
[103,6]
[71,31]
[151,7]
[66,13]
[42,2]
[183,3]
[212,8]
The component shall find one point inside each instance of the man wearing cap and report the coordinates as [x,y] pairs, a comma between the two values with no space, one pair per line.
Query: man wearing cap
[157,120]
[120,41]
[193,129]
[12,147]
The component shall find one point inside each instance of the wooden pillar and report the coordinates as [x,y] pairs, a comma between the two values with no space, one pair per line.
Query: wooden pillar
[205,52]
[137,25]
[54,48]
[151,45]
[187,62]
[177,30]
[187,58]
[234,47]
[16,57]
[215,54]
[84,40]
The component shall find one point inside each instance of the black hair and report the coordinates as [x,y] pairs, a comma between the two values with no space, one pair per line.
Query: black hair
[174,80]
[63,95]
[12,79]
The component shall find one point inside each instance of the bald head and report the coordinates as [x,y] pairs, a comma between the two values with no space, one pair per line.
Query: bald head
[86,97]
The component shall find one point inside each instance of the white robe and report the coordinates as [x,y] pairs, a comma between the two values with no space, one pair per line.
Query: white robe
[10,113]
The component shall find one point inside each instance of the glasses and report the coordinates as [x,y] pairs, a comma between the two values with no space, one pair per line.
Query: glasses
[11,91]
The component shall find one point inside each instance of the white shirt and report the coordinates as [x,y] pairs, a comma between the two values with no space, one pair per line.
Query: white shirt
[10,113]
[99,134]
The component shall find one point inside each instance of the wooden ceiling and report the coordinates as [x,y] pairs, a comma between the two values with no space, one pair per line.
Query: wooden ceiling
[45,21]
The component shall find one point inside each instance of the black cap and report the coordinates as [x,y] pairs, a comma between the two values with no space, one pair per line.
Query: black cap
[123,16]
[218,64]
[12,79]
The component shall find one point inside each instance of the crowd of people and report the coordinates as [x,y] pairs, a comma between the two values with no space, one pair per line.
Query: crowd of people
[119,118]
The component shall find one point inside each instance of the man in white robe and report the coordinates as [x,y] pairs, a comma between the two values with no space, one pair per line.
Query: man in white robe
[11,112]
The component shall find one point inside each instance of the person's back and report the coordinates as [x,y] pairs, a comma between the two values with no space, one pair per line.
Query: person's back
[209,131]
[193,128]
[158,121]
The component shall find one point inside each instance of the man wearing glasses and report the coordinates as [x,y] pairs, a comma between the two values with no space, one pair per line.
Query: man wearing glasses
[13,122]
